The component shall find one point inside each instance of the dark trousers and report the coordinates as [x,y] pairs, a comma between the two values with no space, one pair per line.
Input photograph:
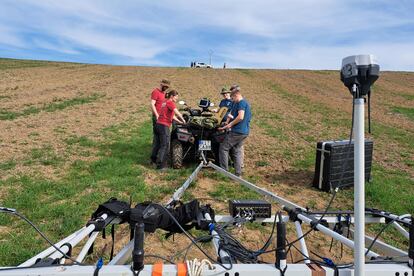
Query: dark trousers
[154,143]
[162,145]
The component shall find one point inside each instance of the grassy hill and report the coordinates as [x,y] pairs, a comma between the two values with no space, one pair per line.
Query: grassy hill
[73,135]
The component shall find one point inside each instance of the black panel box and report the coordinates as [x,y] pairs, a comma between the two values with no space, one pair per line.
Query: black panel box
[334,164]
[259,208]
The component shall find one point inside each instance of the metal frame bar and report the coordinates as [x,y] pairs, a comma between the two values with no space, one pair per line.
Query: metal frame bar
[86,247]
[75,240]
[303,247]
[123,255]
[335,235]
[180,191]
[49,250]
[401,230]
[383,247]
[241,269]
[115,266]
[251,186]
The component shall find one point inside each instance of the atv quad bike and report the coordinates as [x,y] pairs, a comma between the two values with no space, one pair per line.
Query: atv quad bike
[198,134]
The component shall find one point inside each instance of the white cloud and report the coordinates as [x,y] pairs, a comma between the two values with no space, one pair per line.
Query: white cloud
[129,46]
[283,34]
[309,57]
[8,37]
[57,47]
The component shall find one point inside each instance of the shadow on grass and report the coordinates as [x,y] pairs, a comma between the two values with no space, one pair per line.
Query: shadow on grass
[298,178]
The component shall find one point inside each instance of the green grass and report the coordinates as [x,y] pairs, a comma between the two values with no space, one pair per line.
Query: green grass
[274,130]
[391,190]
[225,191]
[61,206]
[51,107]
[45,156]
[402,136]
[330,115]
[262,163]
[406,111]
[407,96]
[8,165]
[7,64]
[306,160]
[80,140]
[246,72]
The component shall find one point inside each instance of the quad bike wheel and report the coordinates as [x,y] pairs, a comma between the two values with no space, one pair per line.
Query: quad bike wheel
[176,154]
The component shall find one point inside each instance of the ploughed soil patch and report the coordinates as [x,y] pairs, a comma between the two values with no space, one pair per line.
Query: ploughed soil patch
[51,113]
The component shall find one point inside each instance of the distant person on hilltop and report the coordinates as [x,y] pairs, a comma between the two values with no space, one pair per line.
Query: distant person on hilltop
[224,66]
[157,98]
[167,114]
[238,124]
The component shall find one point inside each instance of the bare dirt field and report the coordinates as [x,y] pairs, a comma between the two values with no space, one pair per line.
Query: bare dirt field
[48,111]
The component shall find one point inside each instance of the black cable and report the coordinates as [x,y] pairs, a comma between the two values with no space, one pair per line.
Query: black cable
[269,240]
[379,233]
[238,251]
[349,145]
[188,235]
[337,187]
[235,249]
[369,111]
[187,248]
[159,257]
[14,212]
[319,220]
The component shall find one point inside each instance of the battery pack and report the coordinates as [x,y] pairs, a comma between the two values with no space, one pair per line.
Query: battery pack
[334,165]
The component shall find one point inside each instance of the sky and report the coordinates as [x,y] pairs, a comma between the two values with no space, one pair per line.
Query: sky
[306,34]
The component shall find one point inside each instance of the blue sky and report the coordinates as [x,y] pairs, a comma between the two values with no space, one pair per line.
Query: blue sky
[313,34]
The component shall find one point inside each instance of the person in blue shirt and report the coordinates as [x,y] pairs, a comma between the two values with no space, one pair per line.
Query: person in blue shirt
[238,124]
[226,102]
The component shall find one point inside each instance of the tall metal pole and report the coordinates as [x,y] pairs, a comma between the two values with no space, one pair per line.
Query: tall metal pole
[359,186]
[210,52]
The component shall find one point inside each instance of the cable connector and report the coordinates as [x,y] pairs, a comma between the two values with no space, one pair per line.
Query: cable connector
[293,213]
[98,266]
[328,262]
[211,227]
[315,222]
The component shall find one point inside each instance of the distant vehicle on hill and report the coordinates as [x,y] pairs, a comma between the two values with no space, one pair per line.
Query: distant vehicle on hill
[202,65]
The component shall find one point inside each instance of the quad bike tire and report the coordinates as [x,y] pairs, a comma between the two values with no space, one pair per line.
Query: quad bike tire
[176,154]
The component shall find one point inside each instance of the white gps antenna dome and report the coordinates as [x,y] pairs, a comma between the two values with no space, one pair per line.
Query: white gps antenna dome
[359,71]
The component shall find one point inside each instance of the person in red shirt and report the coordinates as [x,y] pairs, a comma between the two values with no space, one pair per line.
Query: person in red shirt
[157,98]
[167,114]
